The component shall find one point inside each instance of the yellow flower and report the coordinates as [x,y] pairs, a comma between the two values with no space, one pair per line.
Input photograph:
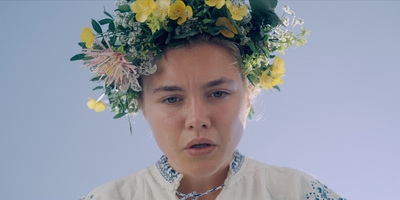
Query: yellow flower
[162,8]
[237,11]
[273,76]
[216,3]
[180,11]
[266,80]
[153,23]
[143,9]
[158,16]
[223,21]
[87,37]
[98,106]
[278,67]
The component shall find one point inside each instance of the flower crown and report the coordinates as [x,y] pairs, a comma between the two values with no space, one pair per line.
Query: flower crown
[140,29]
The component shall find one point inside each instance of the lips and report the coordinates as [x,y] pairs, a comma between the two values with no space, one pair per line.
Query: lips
[198,143]
[200,147]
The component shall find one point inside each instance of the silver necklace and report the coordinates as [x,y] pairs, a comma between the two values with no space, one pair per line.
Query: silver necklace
[196,195]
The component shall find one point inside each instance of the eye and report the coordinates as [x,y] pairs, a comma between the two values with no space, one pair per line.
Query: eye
[170,100]
[218,94]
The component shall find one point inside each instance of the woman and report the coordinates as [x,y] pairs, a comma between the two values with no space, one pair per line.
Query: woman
[195,96]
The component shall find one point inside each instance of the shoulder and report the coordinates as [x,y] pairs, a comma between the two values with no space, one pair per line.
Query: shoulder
[290,183]
[123,188]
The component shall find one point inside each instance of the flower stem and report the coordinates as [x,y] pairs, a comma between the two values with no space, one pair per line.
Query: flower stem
[100,97]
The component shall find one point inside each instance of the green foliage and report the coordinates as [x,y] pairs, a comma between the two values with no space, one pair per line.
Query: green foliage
[105,21]
[97,88]
[124,8]
[96,26]
[111,26]
[77,57]
[108,14]
[82,44]
[119,115]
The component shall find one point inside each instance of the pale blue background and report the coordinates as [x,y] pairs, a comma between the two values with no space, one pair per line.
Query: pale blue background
[337,116]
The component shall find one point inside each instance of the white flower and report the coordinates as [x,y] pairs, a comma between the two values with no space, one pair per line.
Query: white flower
[286,8]
[297,21]
[285,20]
[120,3]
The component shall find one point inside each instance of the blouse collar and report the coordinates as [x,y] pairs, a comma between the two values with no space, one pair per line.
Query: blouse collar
[171,175]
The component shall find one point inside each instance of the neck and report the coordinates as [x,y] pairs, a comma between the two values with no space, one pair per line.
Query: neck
[190,183]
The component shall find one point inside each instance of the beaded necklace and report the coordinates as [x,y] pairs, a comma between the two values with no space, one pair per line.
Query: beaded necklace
[196,195]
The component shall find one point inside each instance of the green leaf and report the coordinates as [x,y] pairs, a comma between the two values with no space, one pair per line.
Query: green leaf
[96,26]
[251,112]
[131,17]
[185,35]
[199,14]
[108,14]
[277,87]
[98,78]
[111,26]
[168,38]
[77,57]
[97,88]
[216,30]
[169,29]
[250,80]
[108,91]
[263,5]
[113,39]
[208,21]
[119,115]
[159,54]
[251,45]
[233,22]
[105,21]
[82,44]
[265,9]
[121,49]
[87,58]
[130,123]
[124,8]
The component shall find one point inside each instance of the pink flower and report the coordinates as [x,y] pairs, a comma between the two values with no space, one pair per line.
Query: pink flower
[113,65]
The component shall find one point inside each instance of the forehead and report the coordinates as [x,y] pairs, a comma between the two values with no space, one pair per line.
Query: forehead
[194,65]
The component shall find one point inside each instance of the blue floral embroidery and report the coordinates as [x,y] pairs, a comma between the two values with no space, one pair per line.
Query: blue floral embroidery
[321,192]
[171,175]
[237,162]
[166,170]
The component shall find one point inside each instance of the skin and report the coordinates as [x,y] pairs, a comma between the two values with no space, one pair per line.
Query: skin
[196,93]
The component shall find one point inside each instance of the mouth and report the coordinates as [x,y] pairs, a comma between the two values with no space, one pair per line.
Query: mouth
[198,146]
[199,143]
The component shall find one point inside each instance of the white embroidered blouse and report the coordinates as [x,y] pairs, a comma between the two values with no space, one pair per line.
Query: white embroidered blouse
[247,179]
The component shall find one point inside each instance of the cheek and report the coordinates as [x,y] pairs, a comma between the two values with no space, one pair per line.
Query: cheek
[232,120]
[164,129]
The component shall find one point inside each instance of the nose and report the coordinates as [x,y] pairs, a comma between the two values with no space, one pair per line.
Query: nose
[197,117]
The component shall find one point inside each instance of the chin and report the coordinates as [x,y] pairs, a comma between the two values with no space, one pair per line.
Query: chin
[203,168]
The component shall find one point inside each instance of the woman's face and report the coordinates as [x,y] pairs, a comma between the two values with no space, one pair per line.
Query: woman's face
[196,106]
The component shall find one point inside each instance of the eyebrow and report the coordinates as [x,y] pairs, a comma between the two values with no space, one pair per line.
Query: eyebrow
[167,89]
[173,88]
[217,82]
